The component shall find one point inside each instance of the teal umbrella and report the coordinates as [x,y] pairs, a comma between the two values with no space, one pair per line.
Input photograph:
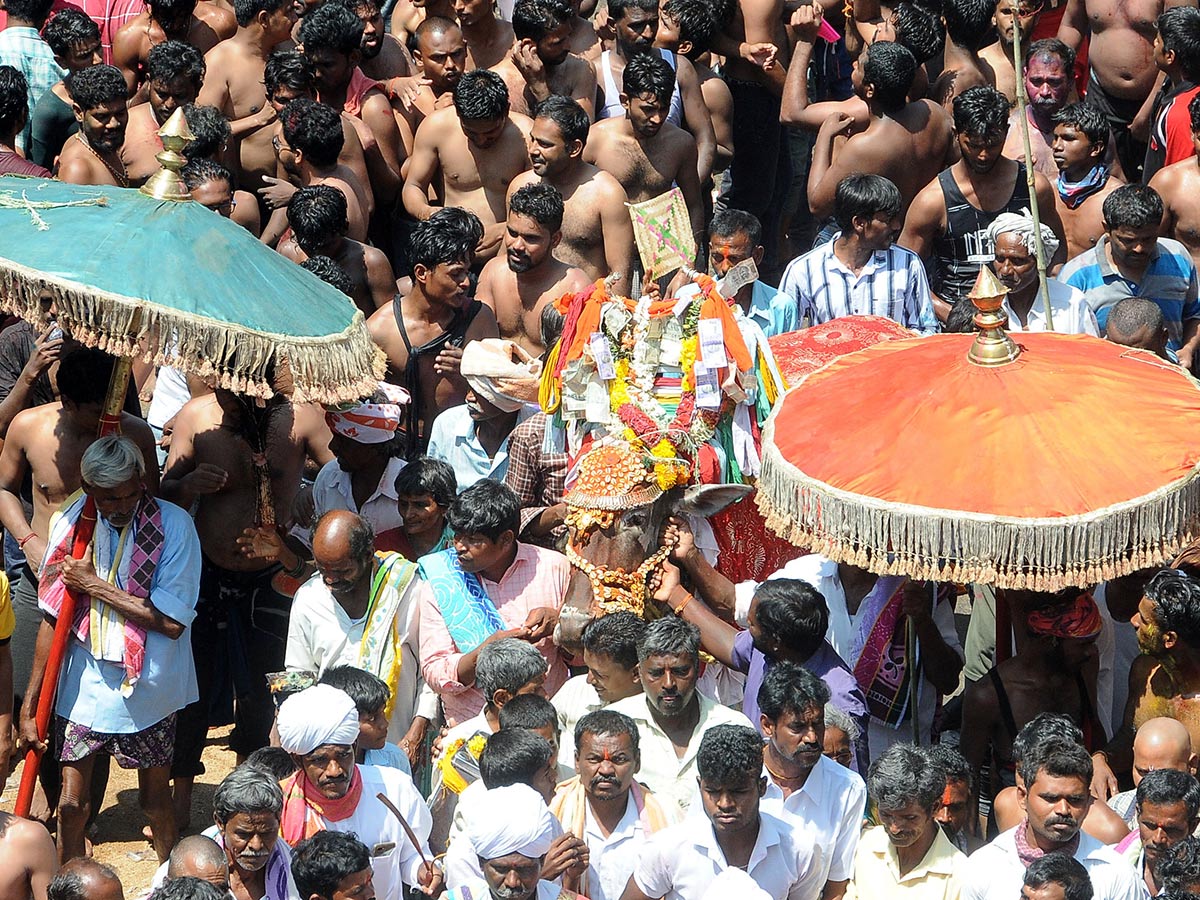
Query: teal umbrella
[178,285]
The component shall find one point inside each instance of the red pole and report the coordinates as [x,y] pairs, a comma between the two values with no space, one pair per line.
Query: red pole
[110,423]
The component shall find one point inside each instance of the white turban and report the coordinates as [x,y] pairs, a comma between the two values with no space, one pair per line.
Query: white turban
[317,716]
[502,373]
[513,819]
[1021,224]
[371,422]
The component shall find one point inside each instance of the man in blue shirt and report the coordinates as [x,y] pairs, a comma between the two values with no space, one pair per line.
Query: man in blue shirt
[735,236]
[1131,260]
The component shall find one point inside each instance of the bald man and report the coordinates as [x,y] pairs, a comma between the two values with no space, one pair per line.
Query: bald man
[1161,743]
[85,879]
[1137,322]
[28,858]
[329,618]
[195,856]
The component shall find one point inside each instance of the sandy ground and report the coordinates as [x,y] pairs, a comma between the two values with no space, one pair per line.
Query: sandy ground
[117,836]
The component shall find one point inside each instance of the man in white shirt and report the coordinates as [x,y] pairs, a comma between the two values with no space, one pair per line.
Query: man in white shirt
[805,788]
[680,862]
[671,715]
[1056,796]
[1167,805]
[604,805]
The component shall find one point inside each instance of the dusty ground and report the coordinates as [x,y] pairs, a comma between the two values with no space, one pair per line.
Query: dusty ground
[118,840]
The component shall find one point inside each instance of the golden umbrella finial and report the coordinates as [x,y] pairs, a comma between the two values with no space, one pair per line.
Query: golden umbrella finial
[992,346]
[166,183]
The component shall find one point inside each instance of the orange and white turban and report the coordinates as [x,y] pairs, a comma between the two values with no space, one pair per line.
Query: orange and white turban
[373,421]
[1077,618]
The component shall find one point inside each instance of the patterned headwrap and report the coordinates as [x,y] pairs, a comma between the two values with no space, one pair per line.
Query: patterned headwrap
[371,422]
[1077,618]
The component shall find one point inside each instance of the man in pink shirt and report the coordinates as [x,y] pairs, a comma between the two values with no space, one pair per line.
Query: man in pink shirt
[486,587]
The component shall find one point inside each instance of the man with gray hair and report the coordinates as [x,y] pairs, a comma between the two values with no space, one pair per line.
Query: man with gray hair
[1139,323]
[129,666]
[907,853]
[247,808]
[1015,264]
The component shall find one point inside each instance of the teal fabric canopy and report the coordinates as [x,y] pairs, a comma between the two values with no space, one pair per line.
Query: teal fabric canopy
[179,285]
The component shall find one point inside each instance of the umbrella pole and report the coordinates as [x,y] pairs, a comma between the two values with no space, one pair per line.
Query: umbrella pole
[1030,179]
[110,423]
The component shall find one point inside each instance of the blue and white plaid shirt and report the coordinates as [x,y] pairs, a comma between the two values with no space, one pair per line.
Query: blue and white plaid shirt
[24,50]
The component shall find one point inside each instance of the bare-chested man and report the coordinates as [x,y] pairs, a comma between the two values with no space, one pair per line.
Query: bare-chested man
[468,155]
[967,23]
[1081,149]
[597,233]
[234,83]
[541,63]
[317,218]
[174,75]
[584,40]
[519,286]
[1179,185]
[424,332]
[195,22]
[441,55]
[407,15]
[1049,77]
[383,56]
[1008,17]
[225,449]
[93,154]
[489,38]
[89,879]
[28,858]
[686,28]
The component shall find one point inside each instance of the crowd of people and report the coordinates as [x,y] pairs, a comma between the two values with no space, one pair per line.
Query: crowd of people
[391,601]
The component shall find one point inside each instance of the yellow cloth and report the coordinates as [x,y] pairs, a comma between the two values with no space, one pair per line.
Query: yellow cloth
[939,876]
[8,621]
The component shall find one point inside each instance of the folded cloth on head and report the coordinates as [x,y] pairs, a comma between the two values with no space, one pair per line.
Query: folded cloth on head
[1021,224]
[1077,618]
[317,716]
[513,819]
[372,421]
[502,373]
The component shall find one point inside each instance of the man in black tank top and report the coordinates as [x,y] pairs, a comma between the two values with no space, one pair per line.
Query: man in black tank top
[948,221]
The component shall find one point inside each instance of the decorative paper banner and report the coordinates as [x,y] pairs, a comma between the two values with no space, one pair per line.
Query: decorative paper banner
[663,232]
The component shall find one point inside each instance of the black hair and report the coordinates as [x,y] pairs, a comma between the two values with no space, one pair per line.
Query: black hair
[1166,786]
[792,612]
[316,214]
[903,774]
[981,112]
[331,27]
[529,711]
[321,862]
[1042,728]
[615,636]
[355,6]
[175,59]
[439,25]
[550,324]
[83,375]
[1058,759]
[69,27]
[696,20]
[1087,119]
[727,221]
[1180,870]
[425,475]
[1179,28]
[210,130]
[968,22]
[955,764]
[1061,869]
[465,222]
[369,692]
[791,688]
[565,112]
[187,888]
[513,756]
[535,19]
[245,10]
[315,129]
[919,30]
[890,68]
[865,196]
[608,723]
[14,100]
[1175,596]
[96,85]
[70,884]
[649,75]
[616,8]
[1052,47]
[275,761]
[434,242]
[670,636]
[202,170]
[961,319]
[1132,206]
[487,507]
[288,68]
[541,202]
[170,9]
[1130,315]
[330,273]
[34,11]
[481,96]
[729,755]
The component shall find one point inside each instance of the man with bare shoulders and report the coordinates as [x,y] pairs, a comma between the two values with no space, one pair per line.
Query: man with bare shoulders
[226,451]
[1081,150]
[195,22]
[1049,77]
[28,860]
[967,22]
[1179,184]
[519,286]
[383,56]
[489,39]
[93,154]
[643,151]
[584,41]
[907,143]
[174,75]
[687,28]
[317,218]
[1008,17]
[947,223]
[234,83]
[541,63]
[88,879]
[597,233]
[441,55]
[423,333]
[407,15]
[468,155]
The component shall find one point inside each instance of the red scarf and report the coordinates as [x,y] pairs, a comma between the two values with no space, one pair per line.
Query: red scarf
[305,807]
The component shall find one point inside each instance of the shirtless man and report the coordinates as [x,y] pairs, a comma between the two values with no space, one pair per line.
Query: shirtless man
[1178,185]
[241,622]
[489,39]
[1165,678]
[468,155]
[967,22]
[441,55]
[541,63]
[407,15]
[1080,147]
[1049,78]
[32,858]
[234,84]
[584,40]
[174,75]
[686,28]
[88,879]
[643,151]
[519,286]
[383,56]
[317,218]
[1009,16]
[93,154]
[424,332]
[597,233]
[195,22]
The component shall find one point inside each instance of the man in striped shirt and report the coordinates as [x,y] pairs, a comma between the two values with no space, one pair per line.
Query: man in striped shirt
[862,271]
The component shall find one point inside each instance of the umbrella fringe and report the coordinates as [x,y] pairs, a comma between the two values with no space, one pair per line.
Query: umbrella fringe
[325,369]
[1041,554]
